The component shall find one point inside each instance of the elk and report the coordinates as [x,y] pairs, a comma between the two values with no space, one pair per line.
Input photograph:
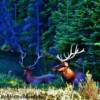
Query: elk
[35,80]
[68,74]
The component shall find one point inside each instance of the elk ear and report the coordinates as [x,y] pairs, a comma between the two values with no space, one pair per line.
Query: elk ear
[24,71]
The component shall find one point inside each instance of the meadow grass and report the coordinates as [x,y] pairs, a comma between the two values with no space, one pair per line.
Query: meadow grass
[17,89]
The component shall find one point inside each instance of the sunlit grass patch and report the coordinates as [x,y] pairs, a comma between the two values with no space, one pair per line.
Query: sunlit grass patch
[51,93]
[48,91]
[41,94]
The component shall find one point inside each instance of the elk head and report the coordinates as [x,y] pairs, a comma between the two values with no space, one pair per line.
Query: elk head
[28,69]
[64,67]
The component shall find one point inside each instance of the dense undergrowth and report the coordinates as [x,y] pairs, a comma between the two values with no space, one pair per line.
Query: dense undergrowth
[12,87]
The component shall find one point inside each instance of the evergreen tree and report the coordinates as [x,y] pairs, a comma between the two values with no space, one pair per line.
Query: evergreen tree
[74,22]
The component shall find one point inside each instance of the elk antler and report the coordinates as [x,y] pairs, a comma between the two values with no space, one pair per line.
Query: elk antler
[23,55]
[36,61]
[70,55]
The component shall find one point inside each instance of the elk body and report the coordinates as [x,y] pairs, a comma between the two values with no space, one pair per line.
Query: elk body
[35,80]
[68,74]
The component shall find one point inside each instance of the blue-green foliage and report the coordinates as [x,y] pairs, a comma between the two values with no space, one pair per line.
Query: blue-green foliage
[18,24]
[29,25]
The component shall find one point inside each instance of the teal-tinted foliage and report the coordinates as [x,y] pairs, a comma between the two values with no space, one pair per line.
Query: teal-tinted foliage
[59,23]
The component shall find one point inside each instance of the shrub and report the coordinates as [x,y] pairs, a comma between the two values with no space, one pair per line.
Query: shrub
[90,90]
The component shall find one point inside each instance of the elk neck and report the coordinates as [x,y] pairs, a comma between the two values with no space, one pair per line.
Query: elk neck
[28,75]
[68,73]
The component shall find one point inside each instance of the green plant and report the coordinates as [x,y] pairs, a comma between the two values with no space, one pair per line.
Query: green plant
[7,80]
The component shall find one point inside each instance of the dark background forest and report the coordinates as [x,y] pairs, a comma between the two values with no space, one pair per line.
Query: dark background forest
[49,26]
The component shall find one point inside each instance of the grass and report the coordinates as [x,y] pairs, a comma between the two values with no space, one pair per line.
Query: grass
[7,80]
[89,90]
[41,94]
[17,89]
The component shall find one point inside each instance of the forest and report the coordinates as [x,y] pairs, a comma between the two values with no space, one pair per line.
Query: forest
[48,35]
